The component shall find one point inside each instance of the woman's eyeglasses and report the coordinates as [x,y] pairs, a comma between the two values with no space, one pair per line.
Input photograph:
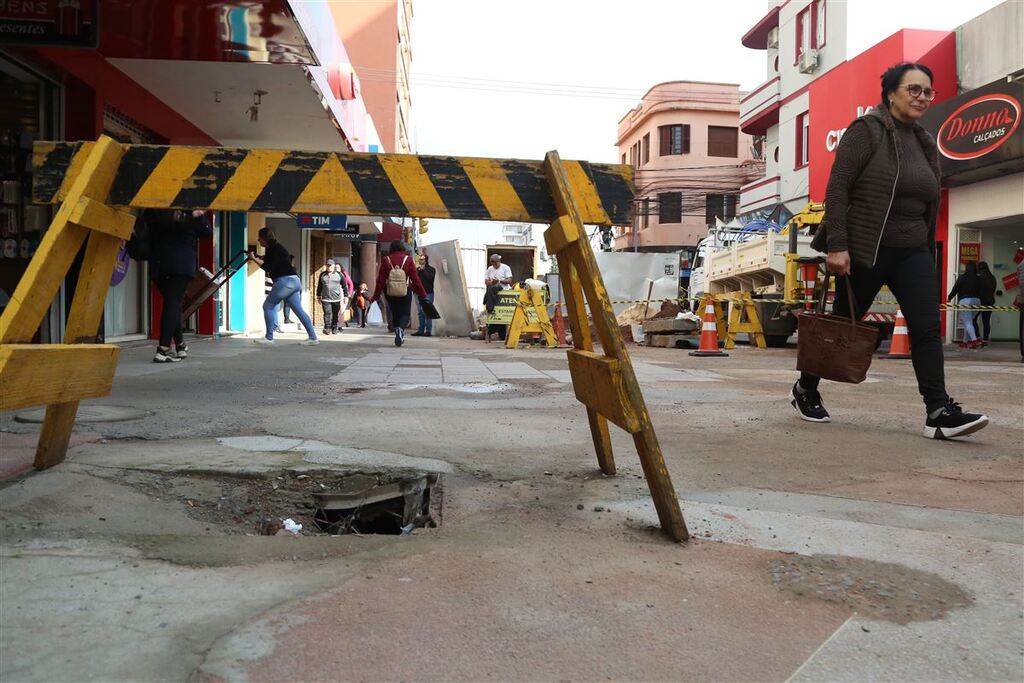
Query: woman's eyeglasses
[917,91]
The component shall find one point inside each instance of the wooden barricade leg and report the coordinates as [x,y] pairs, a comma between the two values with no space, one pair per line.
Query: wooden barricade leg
[581,340]
[82,214]
[605,383]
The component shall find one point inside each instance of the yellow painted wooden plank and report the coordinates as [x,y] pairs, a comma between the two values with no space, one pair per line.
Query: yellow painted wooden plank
[587,199]
[496,192]
[94,215]
[55,435]
[75,169]
[59,246]
[413,185]
[329,190]
[598,384]
[91,291]
[39,374]
[248,181]
[166,180]
[560,235]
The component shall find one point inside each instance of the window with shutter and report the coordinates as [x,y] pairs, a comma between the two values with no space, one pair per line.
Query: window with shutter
[670,207]
[674,139]
[723,141]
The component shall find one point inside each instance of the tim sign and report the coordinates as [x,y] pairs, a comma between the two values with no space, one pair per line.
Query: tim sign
[979,126]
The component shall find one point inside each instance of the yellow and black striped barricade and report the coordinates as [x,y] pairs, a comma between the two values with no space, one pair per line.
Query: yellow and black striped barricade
[268,180]
[95,182]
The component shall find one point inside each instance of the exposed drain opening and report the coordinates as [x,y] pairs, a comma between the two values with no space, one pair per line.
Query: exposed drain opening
[321,501]
[395,508]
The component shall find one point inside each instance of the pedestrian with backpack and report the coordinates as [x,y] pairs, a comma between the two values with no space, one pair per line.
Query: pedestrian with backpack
[397,273]
[169,241]
[277,263]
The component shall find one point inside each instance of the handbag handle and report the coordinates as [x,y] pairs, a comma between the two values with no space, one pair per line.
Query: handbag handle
[849,295]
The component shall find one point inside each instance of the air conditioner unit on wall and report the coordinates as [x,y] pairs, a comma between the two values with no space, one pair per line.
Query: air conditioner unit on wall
[773,37]
[808,61]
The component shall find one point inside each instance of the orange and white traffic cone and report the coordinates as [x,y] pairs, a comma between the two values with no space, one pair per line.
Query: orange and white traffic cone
[559,324]
[899,346]
[809,275]
[709,334]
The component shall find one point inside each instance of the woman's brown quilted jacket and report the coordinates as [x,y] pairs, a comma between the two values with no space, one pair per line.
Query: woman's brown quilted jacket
[861,186]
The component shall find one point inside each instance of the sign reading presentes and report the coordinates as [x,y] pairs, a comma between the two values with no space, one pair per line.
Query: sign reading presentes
[64,23]
[979,127]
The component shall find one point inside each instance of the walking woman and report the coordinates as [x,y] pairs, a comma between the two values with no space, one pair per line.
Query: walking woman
[287,287]
[968,289]
[989,286]
[396,275]
[174,236]
[879,229]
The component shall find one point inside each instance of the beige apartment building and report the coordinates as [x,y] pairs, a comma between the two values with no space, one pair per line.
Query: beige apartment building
[691,159]
[377,38]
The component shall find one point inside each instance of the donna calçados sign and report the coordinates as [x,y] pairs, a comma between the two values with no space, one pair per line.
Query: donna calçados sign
[979,126]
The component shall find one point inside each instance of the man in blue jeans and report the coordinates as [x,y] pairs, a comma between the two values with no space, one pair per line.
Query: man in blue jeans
[427,273]
[287,286]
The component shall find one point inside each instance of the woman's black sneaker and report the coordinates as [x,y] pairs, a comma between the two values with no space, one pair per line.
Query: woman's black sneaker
[808,404]
[952,421]
[165,355]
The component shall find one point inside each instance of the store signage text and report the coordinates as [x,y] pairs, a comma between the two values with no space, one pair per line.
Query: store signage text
[978,127]
[970,251]
[330,221]
[68,23]
[833,137]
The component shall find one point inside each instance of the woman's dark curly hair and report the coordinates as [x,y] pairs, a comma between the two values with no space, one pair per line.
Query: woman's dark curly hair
[894,74]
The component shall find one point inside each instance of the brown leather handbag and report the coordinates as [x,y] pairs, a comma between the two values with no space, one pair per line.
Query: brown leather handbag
[835,347]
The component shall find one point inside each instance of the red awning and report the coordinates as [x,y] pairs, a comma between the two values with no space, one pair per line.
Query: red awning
[757,37]
[760,124]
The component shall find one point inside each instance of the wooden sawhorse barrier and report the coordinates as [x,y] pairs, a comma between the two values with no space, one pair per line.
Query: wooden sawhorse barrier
[96,183]
[604,382]
[531,317]
[60,375]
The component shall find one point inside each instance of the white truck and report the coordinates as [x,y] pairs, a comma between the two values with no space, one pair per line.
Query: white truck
[756,263]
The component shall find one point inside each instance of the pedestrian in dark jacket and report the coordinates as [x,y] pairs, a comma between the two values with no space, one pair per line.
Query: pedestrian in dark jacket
[879,229]
[331,291]
[389,278]
[989,286]
[174,237]
[277,262]
[427,274]
[968,290]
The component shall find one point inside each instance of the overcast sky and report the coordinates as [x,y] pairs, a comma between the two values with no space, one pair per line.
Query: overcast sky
[516,78]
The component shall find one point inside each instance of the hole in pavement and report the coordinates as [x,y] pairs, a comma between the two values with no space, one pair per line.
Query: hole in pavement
[395,508]
[323,502]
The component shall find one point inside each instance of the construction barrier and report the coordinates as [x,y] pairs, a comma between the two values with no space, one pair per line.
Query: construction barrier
[96,182]
[762,300]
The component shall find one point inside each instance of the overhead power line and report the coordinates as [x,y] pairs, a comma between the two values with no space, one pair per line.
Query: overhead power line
[369,74]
